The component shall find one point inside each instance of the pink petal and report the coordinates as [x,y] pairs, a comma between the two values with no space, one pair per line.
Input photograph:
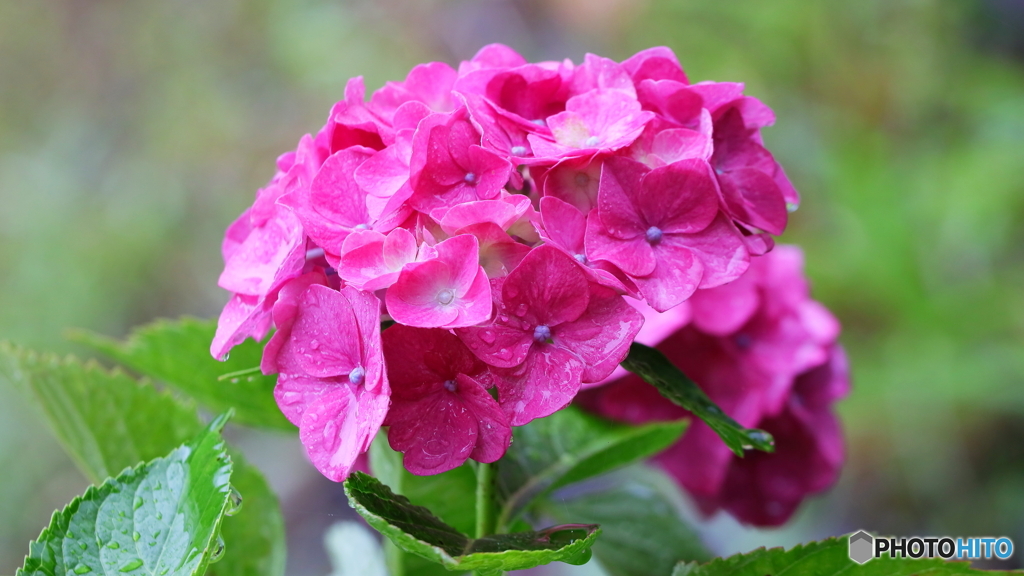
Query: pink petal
[340,426]
[634,256]
[679,198]
[562,296]
[658,63]
[602,335]
[675,277]
[724,310]
[544,384]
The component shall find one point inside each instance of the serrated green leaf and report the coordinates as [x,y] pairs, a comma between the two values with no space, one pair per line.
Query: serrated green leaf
[643,532]
[570,446]
[107,421]
[443,494]
[825,558]
[159,518]
[416,530]
[178,353]
[657,370]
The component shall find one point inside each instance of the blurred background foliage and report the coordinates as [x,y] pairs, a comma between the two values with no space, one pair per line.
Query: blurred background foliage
[132,133]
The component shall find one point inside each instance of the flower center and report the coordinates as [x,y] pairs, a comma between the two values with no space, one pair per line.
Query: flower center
[743,341]
[470,178]
[450,385]
[581,258]
[592,142]
[653,234]
[582,179]
[362,226]
[356,375]
[518,150]
[445,296]
[541,333]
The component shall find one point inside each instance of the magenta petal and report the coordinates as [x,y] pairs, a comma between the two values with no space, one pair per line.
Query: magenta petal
[602,335]
[678,198]
[562,296]
[413,299]
[564,225]
[722,251]
[314,350]
[269,255]
[754,198]
[494,434]
[436,433]
[497,345]
[634,256]
[724,310]
[618,198]
[658,63]
[544,384]
[340,426]
[242,317]
[676,276]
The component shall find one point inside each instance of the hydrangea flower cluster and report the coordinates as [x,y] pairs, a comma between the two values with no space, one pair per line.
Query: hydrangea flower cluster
[500,214]
[767,355]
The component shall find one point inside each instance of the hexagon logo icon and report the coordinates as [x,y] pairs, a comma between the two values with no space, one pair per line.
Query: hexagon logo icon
[861,544]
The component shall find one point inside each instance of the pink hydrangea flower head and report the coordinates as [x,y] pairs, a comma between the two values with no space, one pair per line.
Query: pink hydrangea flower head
[441,413]
[430,84]
[549,337]
[663,229]
[446,291]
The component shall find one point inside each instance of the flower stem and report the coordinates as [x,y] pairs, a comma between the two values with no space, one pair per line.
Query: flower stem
[484,500]
[485,512]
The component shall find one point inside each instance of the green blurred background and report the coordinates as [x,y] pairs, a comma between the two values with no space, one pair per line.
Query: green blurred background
[132,133]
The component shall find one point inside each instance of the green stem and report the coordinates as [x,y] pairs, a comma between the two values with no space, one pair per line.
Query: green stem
[485,512]
[485,516]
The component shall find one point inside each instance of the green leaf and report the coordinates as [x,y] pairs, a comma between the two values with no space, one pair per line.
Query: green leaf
[178,353]
[569,446]
[108,421]
[414,529]
[445,495]
[643,532]
[448,495]
[159,518]
[657,370]
[825,558]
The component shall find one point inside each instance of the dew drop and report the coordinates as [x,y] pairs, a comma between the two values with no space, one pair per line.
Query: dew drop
[331,437]
[713,410]
[218,550]
[234,502]
[113,545]
[487,336]
[522,309]
[159,516]
[82,569]
[592,142]
[234,380]
[133,565]
[136,536]
[314,344]
[504,354]
[83,545]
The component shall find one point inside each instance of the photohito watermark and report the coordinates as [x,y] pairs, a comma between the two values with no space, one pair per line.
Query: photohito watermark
[864,547]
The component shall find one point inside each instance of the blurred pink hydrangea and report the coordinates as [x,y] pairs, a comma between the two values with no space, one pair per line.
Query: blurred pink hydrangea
[767,355]
[504,214]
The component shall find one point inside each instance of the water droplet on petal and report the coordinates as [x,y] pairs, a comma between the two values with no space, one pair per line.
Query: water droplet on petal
[331,437]
[522,309]
[487,336]
[315,344]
